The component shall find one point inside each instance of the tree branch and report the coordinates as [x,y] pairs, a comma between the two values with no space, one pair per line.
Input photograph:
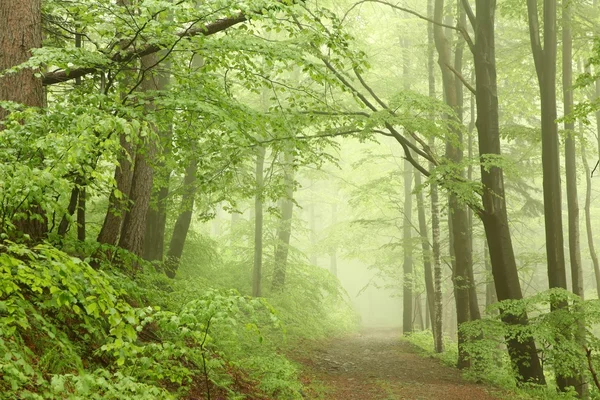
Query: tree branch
[461,78]
[460,29]
[220,25]
[469,11]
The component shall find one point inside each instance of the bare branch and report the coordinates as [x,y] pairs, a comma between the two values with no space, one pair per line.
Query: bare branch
[460,29]
[461,78]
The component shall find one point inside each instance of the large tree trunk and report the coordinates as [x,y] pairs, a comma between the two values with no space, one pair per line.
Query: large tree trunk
[184,219]
[20,32]
[284,229]
[134,225]
[437,316]
[258,224]
[494,216]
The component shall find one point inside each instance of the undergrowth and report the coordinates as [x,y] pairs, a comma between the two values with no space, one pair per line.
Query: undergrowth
[68,330]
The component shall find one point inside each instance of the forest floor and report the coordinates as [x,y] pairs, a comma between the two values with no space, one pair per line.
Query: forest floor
[377,365]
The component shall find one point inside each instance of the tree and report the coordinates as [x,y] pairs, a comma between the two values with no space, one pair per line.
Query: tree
[407,264]
[545,60]
[284,230]
[21,32]
[457,210]
[258,224]
[494,214]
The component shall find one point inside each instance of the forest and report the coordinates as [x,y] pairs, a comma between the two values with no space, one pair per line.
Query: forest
[287,199]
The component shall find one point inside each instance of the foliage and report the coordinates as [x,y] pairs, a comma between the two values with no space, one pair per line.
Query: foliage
[563,335]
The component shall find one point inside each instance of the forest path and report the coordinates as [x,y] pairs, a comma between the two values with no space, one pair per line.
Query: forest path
[377,365]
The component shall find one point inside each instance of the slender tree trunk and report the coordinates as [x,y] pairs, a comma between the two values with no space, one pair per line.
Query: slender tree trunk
[184,219]
[333,267]
[435,213]
[258,225]
[545,58]
[494,216]
[63,227]
[312,223]
[81,205]
[418,313]
[588,219]
[20,32]
[457,210]
[490,289]
[571,155]
[284,229]
[427,270]
[118,201]
[407,265]
[571,178]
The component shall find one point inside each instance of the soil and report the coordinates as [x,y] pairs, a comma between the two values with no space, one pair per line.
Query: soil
[376,364]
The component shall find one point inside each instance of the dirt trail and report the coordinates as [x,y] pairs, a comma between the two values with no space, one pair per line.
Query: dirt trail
[377,365]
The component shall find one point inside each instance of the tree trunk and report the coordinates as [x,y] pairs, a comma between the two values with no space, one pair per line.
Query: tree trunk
[118,201]
[184,219]
[545,62]
[20,32]
[63,227]
[457,210]
[284,229]
[407,265]
[588,219]
[490,289]
[333,268]
[571,178]
[156,218]
[437,316]
[81,215]
[429,290]
[494,216]
[258,224]
[134,225]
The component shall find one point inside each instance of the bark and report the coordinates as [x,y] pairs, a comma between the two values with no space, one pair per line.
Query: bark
[258,225]
[588,219]
[81,215]
[118,201]
[184,219]
[134,225]
[571,156]
[437,316]
[20,32]
[427,270]
[457,210]
[156,219]
[571,178]
[545,58]
[490,289]
[284,229]
[407,265]
[333,267]
[313,231]
[494,216]
[63,227]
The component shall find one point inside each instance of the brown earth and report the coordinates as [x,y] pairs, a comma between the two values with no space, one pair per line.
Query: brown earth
[378,365]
